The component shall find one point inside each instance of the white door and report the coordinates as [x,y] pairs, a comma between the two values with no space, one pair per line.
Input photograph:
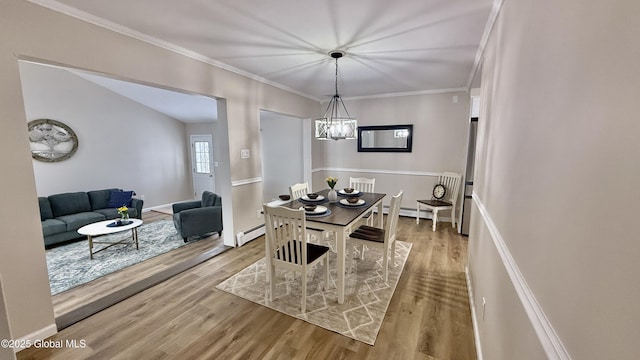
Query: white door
[202,164]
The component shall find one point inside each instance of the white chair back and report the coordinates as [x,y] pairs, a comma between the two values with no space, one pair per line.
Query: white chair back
[392,219]
[362,184]
[298,190]
[451,182]
[382,238]
[286,247]
[286,235]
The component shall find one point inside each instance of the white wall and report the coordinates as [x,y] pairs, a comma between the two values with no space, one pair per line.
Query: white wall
[34,32]
[553,245]
[281,139]
[6,353]
[440,128]
[121,143]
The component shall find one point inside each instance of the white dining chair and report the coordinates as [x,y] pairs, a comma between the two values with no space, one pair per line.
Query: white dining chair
[287,247]
[385,238]
[362,184]
[298,190]
[451,182]
[365,185]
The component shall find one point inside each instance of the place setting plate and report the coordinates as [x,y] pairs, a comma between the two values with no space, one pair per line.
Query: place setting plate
[318,199]
[353,193]
[318,211]
[360,202]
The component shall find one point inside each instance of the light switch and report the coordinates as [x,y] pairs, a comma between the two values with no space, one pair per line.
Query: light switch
[244,153]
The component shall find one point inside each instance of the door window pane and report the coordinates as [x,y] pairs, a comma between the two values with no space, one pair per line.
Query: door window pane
[202,157]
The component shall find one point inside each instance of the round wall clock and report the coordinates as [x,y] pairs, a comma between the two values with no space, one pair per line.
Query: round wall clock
[51,140]
[439,191]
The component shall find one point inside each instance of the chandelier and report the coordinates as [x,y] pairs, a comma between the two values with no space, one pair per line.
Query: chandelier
[335,123]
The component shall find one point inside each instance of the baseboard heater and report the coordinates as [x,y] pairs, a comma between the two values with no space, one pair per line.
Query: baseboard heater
[244,237]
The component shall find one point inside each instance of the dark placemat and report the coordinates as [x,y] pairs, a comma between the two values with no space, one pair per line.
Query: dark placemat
[326,213]
[116,224]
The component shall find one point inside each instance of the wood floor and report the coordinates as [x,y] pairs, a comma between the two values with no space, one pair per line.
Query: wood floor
[85,300]
[186,317]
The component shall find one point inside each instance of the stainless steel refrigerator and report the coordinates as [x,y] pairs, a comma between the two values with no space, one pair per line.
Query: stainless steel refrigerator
[468,177]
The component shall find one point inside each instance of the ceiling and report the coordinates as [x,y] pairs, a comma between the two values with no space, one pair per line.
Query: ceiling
[392,47]
[187,108]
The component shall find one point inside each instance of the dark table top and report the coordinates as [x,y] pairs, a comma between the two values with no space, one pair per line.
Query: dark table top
[340,215]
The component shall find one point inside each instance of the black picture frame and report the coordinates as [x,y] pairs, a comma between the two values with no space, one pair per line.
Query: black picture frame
[393,131]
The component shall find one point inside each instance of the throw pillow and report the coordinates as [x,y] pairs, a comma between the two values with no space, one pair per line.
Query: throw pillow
[119,198]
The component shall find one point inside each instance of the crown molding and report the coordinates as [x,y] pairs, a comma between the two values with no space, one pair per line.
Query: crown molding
[408,93]
[493,16]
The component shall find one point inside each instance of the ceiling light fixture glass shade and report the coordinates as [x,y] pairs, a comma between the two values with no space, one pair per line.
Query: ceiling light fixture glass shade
[335,123]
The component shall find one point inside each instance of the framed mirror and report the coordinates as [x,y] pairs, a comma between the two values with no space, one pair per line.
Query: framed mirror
[385,138]
[51,140]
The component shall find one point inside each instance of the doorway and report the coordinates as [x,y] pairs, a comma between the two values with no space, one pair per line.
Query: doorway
[202,164]
[285,153]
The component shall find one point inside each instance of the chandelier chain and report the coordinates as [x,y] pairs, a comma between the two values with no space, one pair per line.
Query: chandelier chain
[336,77]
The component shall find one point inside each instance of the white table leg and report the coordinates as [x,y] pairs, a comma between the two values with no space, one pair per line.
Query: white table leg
[417,213]
[380,215]
[341,250]
[435,219]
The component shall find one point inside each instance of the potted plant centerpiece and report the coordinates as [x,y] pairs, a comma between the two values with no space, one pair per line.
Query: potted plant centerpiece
[332,196]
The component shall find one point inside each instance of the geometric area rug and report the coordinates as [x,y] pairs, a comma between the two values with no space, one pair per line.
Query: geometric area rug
[367,296]
[69,265]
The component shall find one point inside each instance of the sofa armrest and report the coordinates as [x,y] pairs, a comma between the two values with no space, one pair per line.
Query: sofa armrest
[185,205]
[137,204]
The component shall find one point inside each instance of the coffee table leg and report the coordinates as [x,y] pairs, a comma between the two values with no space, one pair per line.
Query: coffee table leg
[90,246]
[135,237]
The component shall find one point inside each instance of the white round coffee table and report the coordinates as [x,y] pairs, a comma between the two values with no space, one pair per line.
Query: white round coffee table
[101,228]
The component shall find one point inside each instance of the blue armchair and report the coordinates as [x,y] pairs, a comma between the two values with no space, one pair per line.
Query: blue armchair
[196,218]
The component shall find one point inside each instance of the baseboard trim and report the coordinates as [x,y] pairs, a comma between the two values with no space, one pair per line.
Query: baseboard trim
[547,335]
[474,316]
[38,335]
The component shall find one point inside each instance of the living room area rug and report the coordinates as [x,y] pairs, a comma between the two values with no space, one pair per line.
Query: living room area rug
[367,296]
[69,265]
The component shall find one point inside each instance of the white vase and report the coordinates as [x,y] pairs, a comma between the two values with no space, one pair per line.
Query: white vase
[333,196]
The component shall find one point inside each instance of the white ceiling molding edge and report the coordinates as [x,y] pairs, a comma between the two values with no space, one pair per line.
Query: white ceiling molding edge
[493,16]
[408,93]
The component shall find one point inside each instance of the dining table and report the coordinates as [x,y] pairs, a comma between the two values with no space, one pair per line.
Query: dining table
[340,219]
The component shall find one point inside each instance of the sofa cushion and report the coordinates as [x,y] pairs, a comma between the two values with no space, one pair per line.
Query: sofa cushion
[100,198]
[120,198]
[112,213]
[76,221]
[45,209]
[69,203]
[53,226]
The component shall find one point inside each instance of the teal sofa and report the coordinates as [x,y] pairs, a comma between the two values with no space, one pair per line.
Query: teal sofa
[62,215]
